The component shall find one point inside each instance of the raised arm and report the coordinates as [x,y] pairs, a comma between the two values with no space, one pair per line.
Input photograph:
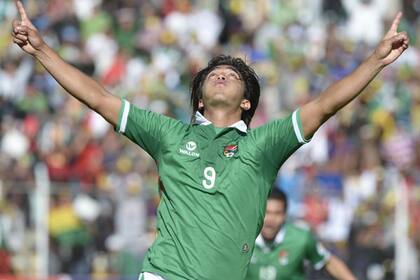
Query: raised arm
[339,94]
[79,85]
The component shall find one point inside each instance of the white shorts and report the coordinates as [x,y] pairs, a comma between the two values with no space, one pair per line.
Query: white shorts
[150,276]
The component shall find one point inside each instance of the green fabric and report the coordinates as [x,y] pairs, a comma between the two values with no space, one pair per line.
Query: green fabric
[101,22]
[218,129]
[215,187]
[285,259]
[127,264]
[34,103]
[76,237]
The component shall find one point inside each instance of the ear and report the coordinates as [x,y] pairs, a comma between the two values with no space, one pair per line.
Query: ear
[245,104]
[200,104]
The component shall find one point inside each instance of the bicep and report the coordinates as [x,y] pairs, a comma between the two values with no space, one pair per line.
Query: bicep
[109,108]
[312,117]
[331,265]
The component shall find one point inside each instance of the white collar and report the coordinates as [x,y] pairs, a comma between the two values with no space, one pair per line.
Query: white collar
[201,120]
[277,240]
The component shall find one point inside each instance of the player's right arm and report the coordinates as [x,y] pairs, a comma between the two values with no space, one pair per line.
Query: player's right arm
[79,85]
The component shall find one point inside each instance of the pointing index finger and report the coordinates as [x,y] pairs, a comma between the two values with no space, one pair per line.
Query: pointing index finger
[21,10]
[396,22]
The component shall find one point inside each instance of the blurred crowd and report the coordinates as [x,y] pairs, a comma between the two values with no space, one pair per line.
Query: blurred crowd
[357,184]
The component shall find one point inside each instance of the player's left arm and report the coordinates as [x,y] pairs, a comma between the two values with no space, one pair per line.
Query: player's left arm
[315,252]
[321,258]
[338,269]
[342,92]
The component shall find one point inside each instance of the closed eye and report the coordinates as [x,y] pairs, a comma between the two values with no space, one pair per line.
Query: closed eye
[233,75]
[230,74]
[212,75]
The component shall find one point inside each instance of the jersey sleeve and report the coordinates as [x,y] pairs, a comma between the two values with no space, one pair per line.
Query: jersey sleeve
[145,128]
[279,139]
[316,253]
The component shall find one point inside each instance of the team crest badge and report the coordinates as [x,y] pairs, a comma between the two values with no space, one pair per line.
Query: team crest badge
[283,257]
[230,150]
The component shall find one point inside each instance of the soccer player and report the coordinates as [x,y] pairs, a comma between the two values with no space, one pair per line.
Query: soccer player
[215,173]
[282,248]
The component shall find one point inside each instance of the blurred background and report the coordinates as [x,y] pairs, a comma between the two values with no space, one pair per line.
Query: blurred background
[78,201]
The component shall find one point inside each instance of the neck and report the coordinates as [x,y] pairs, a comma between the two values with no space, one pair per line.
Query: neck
[268,241]
[222,118]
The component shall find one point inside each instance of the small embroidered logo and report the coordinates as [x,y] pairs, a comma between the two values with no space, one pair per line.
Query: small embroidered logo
[245,248]
[283,258]
[230,150]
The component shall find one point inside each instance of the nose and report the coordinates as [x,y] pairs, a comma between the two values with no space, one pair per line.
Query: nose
[221,76]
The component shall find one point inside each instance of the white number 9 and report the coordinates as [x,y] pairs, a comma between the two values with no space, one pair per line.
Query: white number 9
[210,177]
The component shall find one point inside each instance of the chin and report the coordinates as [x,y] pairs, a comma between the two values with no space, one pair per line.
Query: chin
[268,235]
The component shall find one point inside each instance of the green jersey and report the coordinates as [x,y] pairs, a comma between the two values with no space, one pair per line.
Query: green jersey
[285,257]
[215,183]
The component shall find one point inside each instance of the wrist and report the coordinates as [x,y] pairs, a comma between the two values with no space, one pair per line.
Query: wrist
[42,52]
[375,63]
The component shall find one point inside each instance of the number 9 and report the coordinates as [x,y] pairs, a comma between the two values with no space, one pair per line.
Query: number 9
[210,177]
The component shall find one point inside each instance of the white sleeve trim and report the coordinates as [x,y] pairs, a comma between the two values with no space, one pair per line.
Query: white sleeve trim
[124,117]
[322,262]
[326,256]
[296,128]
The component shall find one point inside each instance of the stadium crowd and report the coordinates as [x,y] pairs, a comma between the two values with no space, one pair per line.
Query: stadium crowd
[345,184]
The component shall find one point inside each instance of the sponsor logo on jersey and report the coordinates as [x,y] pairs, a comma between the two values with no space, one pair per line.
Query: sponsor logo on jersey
[230,150]
[191,146]
[189,150]
[283,257]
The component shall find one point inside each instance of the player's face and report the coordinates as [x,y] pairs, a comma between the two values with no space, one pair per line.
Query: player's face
[224,87]
[274,218]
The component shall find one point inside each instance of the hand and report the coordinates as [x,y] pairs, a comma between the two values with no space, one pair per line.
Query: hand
[393,44]
[24,33]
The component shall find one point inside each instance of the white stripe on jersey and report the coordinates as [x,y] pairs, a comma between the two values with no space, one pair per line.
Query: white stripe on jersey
[299,136]
[124,118]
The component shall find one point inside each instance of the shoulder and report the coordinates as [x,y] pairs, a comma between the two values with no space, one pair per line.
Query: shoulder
[274,122]
[288,126]
[145,115]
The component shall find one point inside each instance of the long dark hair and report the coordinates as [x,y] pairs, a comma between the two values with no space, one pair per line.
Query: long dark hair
[248,75]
